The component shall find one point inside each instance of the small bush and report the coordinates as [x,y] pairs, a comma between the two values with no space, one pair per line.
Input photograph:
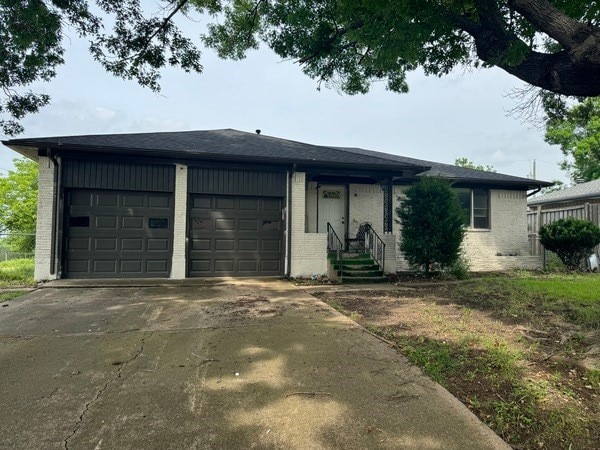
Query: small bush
[571,239]
[460,269]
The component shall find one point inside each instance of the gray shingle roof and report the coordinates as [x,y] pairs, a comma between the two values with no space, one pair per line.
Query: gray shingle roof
[234,145]
[220,144]
[591,189]
[453,172]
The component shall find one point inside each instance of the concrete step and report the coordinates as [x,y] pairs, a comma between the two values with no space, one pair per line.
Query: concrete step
[364,280]
[362,273]
[367,266]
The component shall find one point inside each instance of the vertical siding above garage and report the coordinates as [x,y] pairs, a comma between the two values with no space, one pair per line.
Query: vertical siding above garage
[236,182]
[93,174]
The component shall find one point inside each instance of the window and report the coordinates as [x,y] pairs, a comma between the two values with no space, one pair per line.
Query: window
[476,203]
[158,223]
[79,222]
[332,194]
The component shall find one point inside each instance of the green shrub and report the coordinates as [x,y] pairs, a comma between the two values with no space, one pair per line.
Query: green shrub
[459,269]
[571,239]
[432,225]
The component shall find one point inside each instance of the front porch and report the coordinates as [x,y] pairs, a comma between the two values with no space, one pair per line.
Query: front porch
[327,213]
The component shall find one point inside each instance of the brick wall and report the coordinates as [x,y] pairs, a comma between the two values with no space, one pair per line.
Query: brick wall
[180,223]
[503,247]
[45,216]
[366,205]
[309,250]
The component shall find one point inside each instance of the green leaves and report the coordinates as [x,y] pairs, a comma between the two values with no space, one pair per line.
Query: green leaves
[571,239]
[577,131]
[432,225]
[18,206]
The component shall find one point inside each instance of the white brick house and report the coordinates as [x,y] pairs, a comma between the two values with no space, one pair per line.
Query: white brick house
[228,203]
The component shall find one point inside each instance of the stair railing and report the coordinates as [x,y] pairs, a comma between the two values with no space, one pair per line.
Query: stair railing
[375,246]
[334,245]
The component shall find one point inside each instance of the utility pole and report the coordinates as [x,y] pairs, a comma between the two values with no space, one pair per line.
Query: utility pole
[533,175]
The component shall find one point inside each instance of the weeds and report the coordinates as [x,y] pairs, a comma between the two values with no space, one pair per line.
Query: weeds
[16,272]
[492,342]
[5,296]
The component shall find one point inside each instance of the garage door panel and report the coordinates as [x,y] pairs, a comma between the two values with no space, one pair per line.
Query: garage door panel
[225,265]
[156,266]
[132,222]
[107,199]
[201,244]
[202,202]
[224,244]
[248,265]
[236,236]
[78,266]
[78,243]
[159,201]
[224,224]
[158,244]
[81,198]
[270,245]
[247,225]
[132,200]
[129,239]
[131,266]
[132,244]
[108,266]
[225,203]
[252,204]
[200,266]
[270,265]
[248,245]
[107,222]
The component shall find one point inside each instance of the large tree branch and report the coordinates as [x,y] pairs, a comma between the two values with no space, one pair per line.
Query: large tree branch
[582,41]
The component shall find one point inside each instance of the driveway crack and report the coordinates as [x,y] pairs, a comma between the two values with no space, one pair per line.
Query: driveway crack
[88,405]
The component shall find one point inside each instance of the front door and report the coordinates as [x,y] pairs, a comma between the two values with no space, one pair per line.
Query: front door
[331,209]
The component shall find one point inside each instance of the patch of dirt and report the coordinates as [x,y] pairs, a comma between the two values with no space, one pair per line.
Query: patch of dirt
[546,355]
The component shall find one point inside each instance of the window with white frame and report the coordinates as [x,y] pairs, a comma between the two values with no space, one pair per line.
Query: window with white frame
[476,203]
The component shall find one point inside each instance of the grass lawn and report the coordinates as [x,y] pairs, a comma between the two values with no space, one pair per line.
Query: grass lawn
[514,349]
[5,296]
[16,272]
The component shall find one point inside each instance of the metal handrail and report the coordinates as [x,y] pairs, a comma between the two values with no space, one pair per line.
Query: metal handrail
[375,246]
[334,244]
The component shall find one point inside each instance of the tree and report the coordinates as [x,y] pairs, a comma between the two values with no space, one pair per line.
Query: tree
[577,130]
[18,207]
[551,44]
[468,164]
[432,225]
[571,239]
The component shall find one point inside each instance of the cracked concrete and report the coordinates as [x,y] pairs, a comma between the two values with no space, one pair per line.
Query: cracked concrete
[101,391]
[231,364]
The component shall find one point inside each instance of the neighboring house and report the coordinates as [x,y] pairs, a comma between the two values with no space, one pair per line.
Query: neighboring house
[581,201]
[225,202]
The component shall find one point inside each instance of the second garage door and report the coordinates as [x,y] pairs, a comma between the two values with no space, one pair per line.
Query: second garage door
[235,235]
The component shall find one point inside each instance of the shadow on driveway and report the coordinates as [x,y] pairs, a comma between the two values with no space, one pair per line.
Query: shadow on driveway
[227,364]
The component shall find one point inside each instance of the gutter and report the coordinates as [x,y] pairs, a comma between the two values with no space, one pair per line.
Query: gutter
[54,212]
[534,192]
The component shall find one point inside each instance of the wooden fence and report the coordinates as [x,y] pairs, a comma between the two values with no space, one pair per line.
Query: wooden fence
[538,218]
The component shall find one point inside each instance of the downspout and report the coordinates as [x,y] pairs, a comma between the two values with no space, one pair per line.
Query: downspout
[54,212]
[289,222]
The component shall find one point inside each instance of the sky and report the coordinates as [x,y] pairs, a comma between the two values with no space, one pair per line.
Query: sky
[464,114]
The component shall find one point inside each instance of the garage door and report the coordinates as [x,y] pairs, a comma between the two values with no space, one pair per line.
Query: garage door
[118,234]
[235,235]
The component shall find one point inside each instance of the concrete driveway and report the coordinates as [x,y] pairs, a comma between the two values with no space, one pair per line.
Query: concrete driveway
[211,364]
